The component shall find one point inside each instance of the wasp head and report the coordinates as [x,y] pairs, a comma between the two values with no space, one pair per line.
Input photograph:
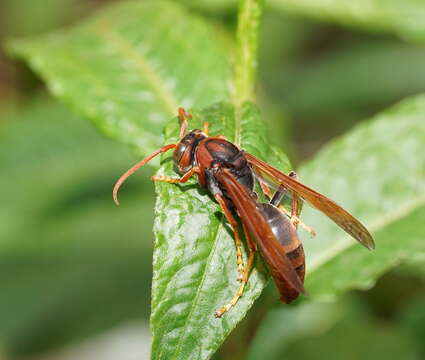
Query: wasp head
[184,154]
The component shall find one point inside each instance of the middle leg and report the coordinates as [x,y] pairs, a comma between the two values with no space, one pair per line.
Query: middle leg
[234,224]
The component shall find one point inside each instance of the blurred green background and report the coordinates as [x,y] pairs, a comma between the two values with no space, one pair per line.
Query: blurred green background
[75,270]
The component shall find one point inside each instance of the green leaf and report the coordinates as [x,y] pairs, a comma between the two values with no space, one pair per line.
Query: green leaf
[339,81]
[346,329]
[59,253]
[195,269]
[129,67]
[211,6]
[404,18]
[377,172]
[412,316]
[284,325]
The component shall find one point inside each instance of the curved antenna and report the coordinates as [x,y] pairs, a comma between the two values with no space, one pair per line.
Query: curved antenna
[183,114]
[136,167]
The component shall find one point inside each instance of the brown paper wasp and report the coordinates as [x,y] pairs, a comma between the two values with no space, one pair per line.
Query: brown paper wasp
[229,174]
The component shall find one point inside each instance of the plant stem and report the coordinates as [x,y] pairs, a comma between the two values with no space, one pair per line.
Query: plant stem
[246,55]
[247,44]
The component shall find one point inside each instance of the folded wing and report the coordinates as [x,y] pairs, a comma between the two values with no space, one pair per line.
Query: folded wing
[273,252]
[335,212]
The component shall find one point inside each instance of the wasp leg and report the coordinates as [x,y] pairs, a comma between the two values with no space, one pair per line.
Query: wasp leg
[266,190]
[295,205]
[234,224]
[252,249]
[205,128]
[183,179]
[295,220]
[277,198]
[184,115]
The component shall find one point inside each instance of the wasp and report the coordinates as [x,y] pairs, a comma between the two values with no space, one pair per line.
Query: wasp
[230,174]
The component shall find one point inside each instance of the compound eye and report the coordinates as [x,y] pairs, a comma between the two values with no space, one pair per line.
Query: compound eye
[179,152]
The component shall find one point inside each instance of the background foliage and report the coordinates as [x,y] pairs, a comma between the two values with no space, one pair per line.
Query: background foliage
[74,267]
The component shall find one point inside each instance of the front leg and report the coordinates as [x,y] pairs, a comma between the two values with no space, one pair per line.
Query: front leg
[183,179]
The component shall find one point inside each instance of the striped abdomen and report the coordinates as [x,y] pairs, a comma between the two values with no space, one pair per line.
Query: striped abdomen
[287,235]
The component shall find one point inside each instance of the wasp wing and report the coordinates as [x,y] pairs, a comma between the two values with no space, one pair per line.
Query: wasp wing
[273,252]
[335,212]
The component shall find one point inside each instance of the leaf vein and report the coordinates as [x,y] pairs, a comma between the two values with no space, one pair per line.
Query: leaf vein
[198,291]
[378,225]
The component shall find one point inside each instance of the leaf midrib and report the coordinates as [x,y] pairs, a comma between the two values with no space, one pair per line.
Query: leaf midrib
[198,291]
[167,99]
[220,229]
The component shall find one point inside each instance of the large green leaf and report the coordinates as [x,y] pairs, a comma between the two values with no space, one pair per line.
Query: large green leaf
[129,76]
[342,330]
[129,67]
[66,271]
[195,269]
[284,325]
[339,81]
[404,18]
[377,172]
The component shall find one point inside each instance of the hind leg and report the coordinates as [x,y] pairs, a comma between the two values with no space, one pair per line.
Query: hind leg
[245,276]
[277,198]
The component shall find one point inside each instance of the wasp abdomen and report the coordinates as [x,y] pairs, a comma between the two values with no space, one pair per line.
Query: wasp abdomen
[287,235]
